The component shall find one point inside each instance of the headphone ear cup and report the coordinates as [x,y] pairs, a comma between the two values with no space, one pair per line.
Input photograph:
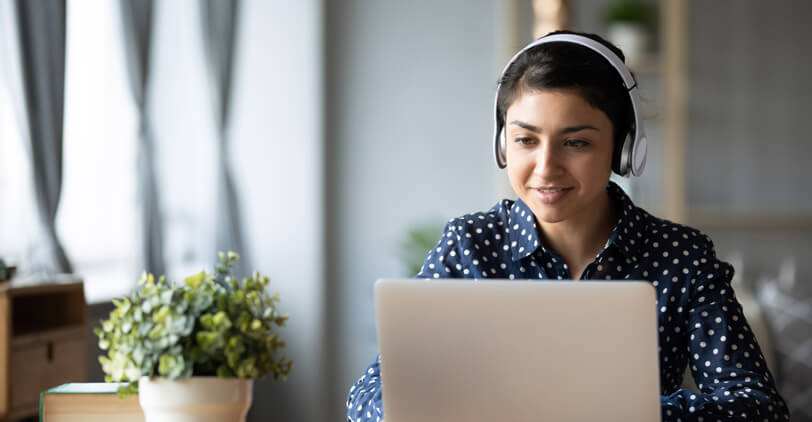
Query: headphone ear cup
[502,146]
[637,160]
[618,159]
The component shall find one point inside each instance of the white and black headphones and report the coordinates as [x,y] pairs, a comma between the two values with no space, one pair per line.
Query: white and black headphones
[633,151]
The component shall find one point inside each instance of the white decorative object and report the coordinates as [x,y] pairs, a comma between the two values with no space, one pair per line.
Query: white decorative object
[195,399]
[631,38]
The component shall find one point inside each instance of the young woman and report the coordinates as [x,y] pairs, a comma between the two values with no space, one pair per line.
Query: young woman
[567,115]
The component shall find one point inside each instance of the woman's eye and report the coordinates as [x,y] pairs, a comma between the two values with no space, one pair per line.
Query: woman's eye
[525,141]
[576,143]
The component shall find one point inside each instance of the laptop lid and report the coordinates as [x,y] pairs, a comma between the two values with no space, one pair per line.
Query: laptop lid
[455,350]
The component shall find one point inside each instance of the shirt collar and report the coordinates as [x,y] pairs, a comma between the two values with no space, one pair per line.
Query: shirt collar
[524,238]
[626,234]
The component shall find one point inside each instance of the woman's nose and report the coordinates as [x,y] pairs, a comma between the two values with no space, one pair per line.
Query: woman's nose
[547,160]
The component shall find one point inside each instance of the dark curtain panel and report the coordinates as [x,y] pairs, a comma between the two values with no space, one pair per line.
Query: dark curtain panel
[219,19]
[41,25]
[136,18]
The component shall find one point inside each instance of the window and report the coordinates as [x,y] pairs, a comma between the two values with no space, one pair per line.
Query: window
[18,214]
[98,220]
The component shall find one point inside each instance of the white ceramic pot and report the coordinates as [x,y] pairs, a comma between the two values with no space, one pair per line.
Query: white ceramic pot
[631,38]
[195,399]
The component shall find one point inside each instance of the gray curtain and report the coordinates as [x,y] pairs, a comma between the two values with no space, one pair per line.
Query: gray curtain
[136,19]
[41,37]
[219,18]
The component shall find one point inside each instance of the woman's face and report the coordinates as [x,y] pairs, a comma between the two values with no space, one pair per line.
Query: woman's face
[559,155]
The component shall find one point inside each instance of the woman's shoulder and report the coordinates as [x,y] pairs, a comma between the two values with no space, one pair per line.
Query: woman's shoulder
[495,214]
[669,232]
[653,231]
[481,224]
[677,250]
[670,251]
[467,241]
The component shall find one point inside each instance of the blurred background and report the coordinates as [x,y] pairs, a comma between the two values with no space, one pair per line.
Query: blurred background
[328,141]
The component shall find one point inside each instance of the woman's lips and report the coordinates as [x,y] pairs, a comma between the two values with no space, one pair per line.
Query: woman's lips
[551,195]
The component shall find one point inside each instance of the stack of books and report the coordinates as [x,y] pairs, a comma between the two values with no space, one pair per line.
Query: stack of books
[88,402]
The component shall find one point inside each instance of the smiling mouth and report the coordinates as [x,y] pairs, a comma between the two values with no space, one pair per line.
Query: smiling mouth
[551,195]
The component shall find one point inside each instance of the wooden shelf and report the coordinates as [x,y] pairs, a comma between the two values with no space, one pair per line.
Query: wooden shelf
[43,330]
[27,286]
[57,334]
[731,221]
[717,219]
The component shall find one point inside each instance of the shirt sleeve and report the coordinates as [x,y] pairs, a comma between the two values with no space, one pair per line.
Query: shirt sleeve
[725,359]
[365,401]
[444,260]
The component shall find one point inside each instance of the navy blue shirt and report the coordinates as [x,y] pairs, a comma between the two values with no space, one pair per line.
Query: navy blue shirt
[700,322]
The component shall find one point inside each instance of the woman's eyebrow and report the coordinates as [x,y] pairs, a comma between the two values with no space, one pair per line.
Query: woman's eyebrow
[527,126]
[572,129]
[563,131]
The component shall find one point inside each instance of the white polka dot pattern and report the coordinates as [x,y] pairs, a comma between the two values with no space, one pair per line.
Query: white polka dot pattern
[700,322]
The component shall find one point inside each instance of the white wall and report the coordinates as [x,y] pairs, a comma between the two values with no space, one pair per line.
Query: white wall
[409,127]
[278,134]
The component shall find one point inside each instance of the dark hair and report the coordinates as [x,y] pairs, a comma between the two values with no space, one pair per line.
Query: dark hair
[563,65]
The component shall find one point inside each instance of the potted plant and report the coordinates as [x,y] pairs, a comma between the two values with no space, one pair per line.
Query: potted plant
[628,25]
[417,242]
[192,350]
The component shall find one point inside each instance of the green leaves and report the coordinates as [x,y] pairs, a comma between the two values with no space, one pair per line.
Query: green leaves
[211,324]
[194,281]
[416,243]
[629,11]
[171,366]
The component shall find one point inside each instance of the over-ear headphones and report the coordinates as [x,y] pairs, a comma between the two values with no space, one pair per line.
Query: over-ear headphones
[632,153]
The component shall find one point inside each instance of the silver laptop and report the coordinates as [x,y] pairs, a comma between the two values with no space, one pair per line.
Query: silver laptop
[498,350]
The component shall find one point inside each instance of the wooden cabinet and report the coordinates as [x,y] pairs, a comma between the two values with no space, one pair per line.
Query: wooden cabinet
[43,325]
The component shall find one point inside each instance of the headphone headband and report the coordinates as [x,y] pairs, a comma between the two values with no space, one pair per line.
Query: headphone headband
[633,156]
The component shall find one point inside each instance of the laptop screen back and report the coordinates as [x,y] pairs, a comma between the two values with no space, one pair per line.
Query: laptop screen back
[454,350]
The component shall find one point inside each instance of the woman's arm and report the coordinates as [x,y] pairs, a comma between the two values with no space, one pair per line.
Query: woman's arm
[364,402]
[725,359]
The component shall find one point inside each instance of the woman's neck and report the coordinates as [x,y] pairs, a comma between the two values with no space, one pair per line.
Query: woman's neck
[580,238]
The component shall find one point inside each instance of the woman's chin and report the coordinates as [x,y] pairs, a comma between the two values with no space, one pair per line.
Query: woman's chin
[549,213]
[546,214]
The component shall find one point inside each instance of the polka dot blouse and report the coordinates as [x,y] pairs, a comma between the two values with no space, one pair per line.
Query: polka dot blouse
[700,322]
